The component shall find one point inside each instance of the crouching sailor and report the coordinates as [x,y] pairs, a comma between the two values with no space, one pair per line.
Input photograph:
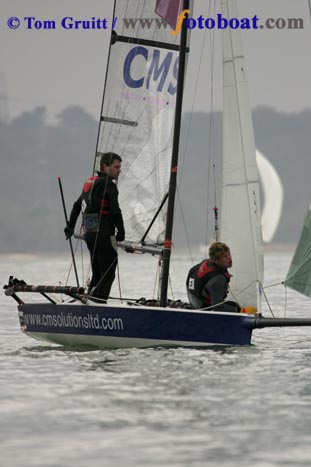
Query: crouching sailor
[208,282]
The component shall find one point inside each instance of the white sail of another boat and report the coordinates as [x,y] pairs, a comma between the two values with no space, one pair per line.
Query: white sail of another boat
[240,214]
[273,197]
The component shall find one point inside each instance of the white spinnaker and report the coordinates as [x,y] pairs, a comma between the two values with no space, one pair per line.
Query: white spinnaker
[273,197]
[240,213]
[138,113]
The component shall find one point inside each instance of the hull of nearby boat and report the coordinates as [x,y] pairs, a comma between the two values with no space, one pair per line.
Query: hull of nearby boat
[108,326]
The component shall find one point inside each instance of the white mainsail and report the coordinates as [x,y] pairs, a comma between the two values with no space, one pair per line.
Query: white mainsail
[240,213]
[138,113]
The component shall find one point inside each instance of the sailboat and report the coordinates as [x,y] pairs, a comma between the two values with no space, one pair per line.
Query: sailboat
[140,120]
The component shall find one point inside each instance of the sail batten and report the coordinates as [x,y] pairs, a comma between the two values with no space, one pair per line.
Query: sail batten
[118,120]
[151,43]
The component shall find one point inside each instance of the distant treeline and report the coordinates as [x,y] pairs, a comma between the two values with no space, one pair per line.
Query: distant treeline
[34,154]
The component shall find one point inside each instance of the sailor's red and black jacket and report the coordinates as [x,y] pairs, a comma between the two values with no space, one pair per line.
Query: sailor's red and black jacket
[200,274]
[100,196]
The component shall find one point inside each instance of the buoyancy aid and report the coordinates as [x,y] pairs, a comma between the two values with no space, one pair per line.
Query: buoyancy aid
[89,184]
[200,274]
[87,197]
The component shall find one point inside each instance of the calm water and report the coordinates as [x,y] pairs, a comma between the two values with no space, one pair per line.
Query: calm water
[166,407]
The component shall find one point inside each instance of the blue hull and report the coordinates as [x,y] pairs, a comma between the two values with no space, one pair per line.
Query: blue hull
[108,326]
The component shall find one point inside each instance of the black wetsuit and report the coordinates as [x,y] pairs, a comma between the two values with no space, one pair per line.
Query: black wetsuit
[101,197]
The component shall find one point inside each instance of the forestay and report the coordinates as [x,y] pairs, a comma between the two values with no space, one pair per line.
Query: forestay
[299,273]
[138,113]
[240,214]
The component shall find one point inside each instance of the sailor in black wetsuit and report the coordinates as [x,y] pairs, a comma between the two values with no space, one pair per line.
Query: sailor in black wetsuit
[101,216]
[208,282]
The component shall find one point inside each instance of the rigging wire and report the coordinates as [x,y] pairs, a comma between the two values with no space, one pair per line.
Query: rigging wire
[235,76]
[211,137]
[211,145]
[184,224]
[71,264]
[81,256]
[104,275]
[247,287]
[285,301]
[193,100]
[119,282]
[84,276]
[266,298]
[171,286]
[156,280]
[82,263]
[273,285]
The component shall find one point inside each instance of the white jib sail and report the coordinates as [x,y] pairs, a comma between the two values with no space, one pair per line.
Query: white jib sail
[240,213]
[273,197]
[138,113]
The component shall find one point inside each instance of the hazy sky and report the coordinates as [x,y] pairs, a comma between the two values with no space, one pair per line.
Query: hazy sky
[58,68]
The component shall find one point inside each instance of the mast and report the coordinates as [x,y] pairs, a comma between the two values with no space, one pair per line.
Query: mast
[174,163]
[104,92]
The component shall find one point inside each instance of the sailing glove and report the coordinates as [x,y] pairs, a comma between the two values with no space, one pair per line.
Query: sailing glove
[69,231]
[120,237]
